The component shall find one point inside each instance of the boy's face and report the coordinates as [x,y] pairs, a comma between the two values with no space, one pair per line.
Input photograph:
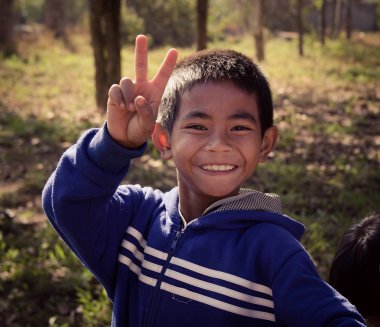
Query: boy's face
[216,141]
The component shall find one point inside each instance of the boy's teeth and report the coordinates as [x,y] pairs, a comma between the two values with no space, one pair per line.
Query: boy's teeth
[218,167]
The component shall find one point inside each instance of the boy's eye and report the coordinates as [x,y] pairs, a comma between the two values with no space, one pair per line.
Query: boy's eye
[197,127]
[240,128]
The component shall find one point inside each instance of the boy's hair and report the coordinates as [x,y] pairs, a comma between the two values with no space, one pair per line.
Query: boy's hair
[355,271]
[216,66]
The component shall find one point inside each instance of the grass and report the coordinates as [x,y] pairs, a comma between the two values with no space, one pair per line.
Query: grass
[325,166]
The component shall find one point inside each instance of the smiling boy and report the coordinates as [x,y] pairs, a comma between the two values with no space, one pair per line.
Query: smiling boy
[218,126]
[206,253]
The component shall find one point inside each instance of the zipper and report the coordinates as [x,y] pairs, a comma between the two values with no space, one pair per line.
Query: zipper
[154,302]
[174,243]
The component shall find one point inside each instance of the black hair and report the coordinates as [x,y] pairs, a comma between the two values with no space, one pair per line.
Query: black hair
[355,270]
[216,66]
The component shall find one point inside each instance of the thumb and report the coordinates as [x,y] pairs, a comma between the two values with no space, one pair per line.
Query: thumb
[146,117]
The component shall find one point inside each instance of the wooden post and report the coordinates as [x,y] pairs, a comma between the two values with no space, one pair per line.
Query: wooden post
[258,29]
[202,12]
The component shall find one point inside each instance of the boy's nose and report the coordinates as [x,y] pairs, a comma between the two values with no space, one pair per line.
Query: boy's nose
[218,142]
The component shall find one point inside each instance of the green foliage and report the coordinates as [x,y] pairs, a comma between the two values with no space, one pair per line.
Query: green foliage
[131,25]
[32,11]
[27,273]
[77,10]
[94,305]
[224,20]
[30,127]
[166,21]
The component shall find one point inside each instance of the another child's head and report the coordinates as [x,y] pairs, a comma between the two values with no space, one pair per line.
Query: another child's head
[216,66]
[355,271]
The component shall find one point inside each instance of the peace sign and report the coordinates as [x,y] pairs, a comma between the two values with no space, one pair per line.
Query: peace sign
[132,106]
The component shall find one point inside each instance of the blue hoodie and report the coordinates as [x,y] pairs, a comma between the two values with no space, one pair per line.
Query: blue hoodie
[239,264]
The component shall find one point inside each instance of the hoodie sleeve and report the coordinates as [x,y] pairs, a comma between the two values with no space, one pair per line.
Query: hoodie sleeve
[84,203]
[302,298]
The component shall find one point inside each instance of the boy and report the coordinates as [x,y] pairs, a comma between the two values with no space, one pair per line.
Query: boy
[206,253]
[355,271]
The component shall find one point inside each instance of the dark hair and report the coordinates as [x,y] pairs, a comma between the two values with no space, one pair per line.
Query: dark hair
[216,66]
[355,271]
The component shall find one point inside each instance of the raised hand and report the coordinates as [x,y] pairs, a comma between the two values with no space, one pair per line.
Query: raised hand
[133,105]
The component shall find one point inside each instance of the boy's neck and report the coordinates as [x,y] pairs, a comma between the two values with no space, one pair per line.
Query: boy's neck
[189,211]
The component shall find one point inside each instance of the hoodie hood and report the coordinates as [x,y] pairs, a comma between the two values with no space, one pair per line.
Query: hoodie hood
[248,208]
[248,200]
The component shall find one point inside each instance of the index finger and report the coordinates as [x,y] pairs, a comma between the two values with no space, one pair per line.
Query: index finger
[141,58]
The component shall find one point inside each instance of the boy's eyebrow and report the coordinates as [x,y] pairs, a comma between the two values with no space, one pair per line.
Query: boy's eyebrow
[244,115]
[197,114]
[238,115]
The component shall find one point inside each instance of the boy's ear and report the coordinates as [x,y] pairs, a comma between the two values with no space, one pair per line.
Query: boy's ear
[268,143]
[161,141]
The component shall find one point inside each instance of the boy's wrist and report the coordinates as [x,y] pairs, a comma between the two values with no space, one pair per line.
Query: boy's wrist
[109,154]
[128,144]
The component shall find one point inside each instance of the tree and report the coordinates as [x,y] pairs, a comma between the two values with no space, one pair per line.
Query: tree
[336,18]
[323,21]
[258,30]
[55,17]
[105,37]
[167,21]
[332,20]
[202,13]
[348,18]
[253,9]
[7,44]
[300,26]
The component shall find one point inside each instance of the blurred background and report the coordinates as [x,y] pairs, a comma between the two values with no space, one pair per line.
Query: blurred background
[57,60]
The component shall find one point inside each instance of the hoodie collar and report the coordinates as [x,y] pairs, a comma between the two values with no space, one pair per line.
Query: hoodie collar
[248,200]
[246,208]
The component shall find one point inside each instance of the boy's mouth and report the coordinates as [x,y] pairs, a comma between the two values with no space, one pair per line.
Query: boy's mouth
[218,167]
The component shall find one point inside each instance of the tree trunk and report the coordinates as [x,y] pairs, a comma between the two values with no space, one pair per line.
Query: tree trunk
[55,17]
[323,21]
[7,44]
[348,19]
[105,37]
[337,18]
[202,9]
[113,47]
[258,29]
[300,26]
[97,40]
[333,14]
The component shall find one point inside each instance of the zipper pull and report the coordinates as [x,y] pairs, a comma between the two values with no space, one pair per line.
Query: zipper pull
[175,241]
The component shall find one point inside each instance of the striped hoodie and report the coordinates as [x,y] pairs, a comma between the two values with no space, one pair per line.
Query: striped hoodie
[239,264]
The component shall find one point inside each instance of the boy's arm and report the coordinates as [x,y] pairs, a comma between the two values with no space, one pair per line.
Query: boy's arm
[302,298]
[82,199]
[84,203]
